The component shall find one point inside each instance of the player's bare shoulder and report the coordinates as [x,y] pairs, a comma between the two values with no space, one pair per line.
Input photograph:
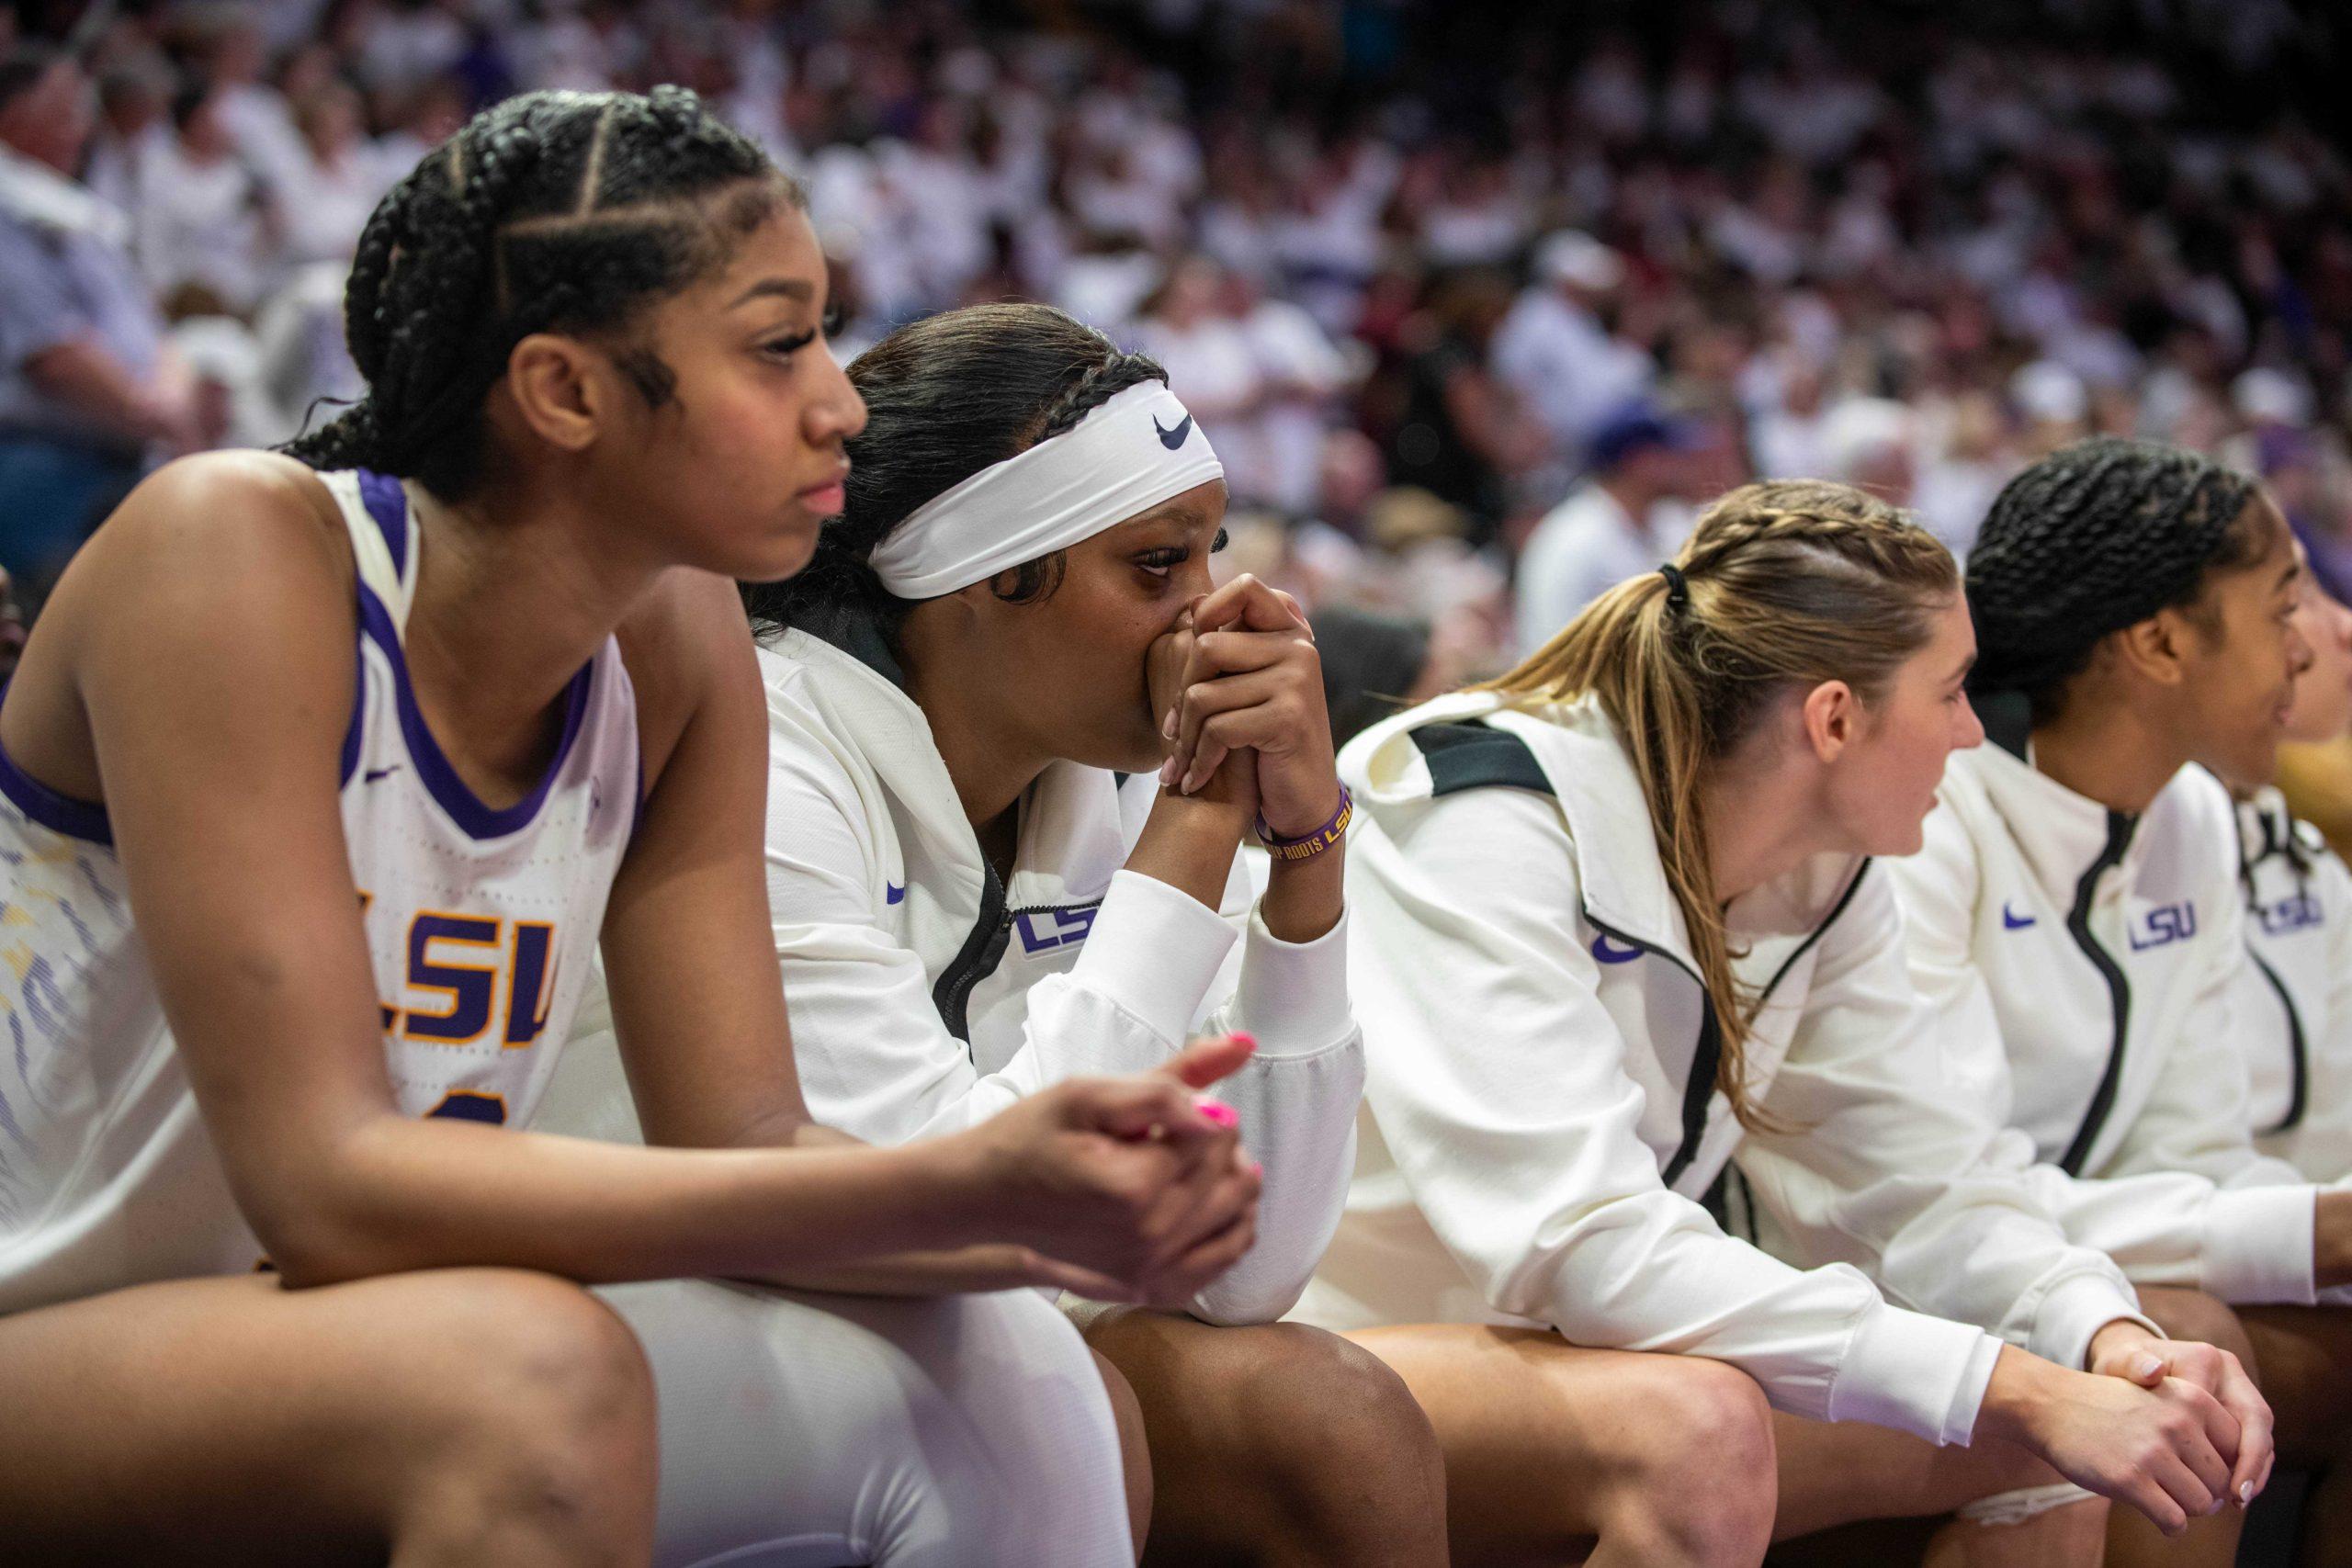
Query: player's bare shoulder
[213,525]
[687,645]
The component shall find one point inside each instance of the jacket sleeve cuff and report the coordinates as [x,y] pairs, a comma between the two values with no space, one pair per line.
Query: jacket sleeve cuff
[2074,1310]
[2257,1244]
[1154,951]
[1293,995]
[1914,1373]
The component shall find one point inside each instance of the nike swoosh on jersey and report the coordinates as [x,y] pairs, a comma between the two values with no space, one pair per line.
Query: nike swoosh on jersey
[372,775]
[1607,954]
[2016,923]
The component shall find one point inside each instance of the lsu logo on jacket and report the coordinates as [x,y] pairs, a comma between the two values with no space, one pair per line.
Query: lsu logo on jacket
[2163,925]
[2297,911]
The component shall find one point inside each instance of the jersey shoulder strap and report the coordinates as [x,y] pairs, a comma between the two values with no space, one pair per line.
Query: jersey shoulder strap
[1472,754]
[383,536]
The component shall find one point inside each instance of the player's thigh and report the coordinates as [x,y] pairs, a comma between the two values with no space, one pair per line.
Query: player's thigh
[802,1428]
[2304,1360]
[1548,1443]
[235,1420]
[1839,1473]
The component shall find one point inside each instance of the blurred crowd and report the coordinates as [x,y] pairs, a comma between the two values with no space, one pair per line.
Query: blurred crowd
[1476,302]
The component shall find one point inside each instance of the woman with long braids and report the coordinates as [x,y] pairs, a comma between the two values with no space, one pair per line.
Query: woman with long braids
[322,781]
[2077,905]
[1618,920]
[984,880]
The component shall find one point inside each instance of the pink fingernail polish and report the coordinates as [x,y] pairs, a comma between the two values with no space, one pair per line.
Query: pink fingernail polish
[1224,1115]
[1257,1168]
[1243,1037]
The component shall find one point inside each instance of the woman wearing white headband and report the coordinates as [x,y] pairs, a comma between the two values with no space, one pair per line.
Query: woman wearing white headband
[981,889]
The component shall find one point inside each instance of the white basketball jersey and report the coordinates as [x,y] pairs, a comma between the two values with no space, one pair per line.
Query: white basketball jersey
[481,922]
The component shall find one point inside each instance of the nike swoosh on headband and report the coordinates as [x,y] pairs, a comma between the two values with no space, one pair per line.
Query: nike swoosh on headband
[1122,458]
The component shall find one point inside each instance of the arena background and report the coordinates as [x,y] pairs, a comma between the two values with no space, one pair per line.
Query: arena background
[1426,271]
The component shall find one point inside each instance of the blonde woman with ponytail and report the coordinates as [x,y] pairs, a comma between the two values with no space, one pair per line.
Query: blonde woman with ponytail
[1617,922]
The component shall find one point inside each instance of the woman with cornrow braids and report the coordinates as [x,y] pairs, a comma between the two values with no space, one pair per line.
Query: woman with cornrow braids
[1617,923]
[987,874]
[323,783]
[2077,911]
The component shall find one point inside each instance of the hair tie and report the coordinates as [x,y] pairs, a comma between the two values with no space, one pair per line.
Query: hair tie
[1678,587]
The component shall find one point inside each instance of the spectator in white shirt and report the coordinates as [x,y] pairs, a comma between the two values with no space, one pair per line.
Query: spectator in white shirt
[1555,348]
[201,224]
[1873,445]
[325,195]
[1600,534]
[1303,371]
[134,119]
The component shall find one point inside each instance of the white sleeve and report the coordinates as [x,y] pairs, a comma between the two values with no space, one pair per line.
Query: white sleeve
[2196,1123]
[1297,1099]
[1868,1161]
[876,1060]
[1499,1081]
[2322,1142]
[2161,1227]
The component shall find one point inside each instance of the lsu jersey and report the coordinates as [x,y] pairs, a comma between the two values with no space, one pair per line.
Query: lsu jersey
[481,924]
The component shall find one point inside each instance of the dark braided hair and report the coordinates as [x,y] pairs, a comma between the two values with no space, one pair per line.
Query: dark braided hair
[552,211]
[2095,537]
[947,397]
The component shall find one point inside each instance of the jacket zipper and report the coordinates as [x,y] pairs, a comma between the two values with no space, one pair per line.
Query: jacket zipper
[2078,926]
[1706,1061]
[983,950]
[2299,1050]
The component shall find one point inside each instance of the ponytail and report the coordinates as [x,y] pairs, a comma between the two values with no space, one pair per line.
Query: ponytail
[1787,583]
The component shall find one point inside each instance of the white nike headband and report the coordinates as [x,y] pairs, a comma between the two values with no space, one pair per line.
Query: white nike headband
[1133,452]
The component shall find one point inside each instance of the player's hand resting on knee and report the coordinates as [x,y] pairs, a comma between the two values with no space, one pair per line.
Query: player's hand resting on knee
[2165,1451]
[2126,1349]
[1127,1189]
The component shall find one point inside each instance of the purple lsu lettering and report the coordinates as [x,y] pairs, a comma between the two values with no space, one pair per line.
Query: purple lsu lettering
[2165,924]
[2297,912]
[1044,929]
[465,964]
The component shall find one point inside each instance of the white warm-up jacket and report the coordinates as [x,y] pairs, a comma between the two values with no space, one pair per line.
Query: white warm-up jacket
[2086,959]
[927,993]
[1543,1129]
[2292,998]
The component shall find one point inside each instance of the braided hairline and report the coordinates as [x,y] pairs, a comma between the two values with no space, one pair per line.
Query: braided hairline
[419,336]
[1877,537]
[2093,538]
[685,216]
[1098,385]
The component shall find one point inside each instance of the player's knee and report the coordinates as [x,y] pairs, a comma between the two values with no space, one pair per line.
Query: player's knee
[563,1428]
[2194,1314]
[1701,1464]
[1339,1433]
[1135,1446]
